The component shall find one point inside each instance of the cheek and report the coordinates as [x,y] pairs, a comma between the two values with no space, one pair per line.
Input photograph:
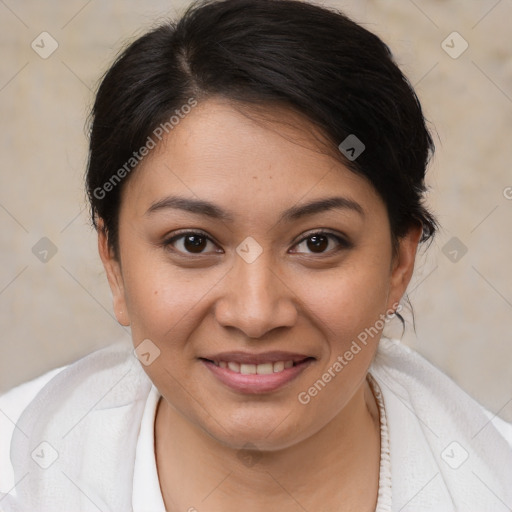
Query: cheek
[348,299]
[159,296]
[347,306]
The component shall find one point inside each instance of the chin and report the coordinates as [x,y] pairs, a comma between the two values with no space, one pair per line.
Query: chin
[262,431]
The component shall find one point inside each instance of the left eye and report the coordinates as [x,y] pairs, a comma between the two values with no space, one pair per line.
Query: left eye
[319,242]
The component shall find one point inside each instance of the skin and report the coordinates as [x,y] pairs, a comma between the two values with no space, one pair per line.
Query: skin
[320,456]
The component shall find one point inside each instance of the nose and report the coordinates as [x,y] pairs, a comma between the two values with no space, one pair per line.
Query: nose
[255,299]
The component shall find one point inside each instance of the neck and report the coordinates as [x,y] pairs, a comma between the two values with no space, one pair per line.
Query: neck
[341,473]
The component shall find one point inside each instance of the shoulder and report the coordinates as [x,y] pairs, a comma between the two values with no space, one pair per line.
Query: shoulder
[97,366]
[12,405]
[413,378]
[431,420]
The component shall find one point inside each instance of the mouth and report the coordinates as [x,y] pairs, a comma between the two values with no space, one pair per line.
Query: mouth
[256,373]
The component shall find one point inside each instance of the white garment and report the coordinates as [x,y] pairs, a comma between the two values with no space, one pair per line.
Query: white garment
[97,415]
[147,496]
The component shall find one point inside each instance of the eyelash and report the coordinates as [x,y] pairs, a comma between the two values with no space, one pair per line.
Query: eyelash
[343,243]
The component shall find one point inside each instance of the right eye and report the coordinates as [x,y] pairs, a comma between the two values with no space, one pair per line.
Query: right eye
[189,242]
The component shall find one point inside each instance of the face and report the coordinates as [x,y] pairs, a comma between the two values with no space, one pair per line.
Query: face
[253,262]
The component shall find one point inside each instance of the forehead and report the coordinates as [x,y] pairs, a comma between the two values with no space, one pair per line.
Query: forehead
[247,158]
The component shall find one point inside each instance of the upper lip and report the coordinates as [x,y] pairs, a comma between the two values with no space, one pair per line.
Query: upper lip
[252,358]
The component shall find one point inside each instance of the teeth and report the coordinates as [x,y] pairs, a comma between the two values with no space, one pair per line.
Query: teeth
[248,369]
[234,367]
[279,366]
[252,369]
[265,369]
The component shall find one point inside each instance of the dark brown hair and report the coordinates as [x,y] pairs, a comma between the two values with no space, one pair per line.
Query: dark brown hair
[308,58]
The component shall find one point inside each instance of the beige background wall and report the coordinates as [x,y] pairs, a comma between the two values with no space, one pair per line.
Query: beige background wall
[51,313]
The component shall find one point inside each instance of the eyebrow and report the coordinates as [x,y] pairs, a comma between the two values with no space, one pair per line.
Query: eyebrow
[208,209]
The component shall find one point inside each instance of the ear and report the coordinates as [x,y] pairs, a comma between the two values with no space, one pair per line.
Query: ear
[114,275]
[403,264]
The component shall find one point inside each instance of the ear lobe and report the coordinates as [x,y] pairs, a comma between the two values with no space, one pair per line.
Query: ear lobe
[403,265]
[114,275]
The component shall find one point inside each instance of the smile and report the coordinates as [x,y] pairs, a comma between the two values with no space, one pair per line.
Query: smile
[252,369]
[257,376]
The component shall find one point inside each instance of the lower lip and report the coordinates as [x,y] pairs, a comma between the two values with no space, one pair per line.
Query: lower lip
[255,383]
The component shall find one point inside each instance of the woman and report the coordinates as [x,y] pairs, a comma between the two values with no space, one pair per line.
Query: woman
[256,177]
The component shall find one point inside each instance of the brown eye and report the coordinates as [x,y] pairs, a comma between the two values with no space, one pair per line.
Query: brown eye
[194,243]
[318,243]
[190,243]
